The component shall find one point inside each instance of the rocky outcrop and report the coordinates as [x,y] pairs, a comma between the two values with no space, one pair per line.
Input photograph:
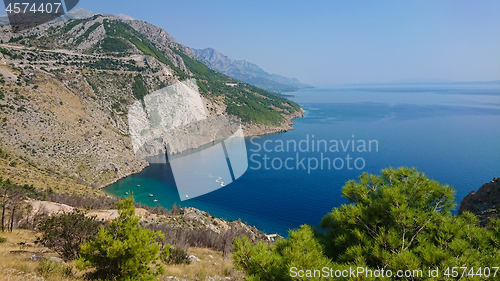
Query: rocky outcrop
[189,218]
[484,203]
[259,129]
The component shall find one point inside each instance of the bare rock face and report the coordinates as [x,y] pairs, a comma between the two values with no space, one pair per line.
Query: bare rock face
[484,203]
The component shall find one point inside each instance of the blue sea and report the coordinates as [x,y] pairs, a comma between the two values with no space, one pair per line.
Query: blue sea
[450,132]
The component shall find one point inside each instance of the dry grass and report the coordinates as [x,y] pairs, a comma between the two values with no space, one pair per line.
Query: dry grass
[25,173]
[18,266]
[211,264]
[14,267]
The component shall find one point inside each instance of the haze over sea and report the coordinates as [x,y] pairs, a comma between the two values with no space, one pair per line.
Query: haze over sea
[450,132]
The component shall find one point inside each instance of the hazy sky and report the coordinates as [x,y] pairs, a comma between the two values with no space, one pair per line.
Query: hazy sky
[330,42]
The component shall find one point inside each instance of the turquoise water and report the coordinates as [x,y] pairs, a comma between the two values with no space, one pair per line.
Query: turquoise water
[450,133]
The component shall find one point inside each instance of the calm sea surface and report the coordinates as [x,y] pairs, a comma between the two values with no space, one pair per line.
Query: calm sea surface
[451,133]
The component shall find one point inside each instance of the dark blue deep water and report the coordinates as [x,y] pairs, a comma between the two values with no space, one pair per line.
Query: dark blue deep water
[451,133]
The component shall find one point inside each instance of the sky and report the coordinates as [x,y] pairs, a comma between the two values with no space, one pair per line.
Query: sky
[325,43]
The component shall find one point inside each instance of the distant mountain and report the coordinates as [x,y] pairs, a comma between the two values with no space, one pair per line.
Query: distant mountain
[124,17]
[422,82]
[78,14]
[443,82]
[248,72]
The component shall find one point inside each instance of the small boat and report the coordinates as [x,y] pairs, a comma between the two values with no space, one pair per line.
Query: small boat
[126,193]
[222,184]
[187,196]
[156,200]
[150,195]
[138,185]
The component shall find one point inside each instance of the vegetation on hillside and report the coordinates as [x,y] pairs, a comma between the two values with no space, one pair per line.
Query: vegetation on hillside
[138,88]
[110,44]
[119,29]
[249,103]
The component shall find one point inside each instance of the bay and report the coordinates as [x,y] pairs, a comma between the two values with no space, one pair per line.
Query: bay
[451,133]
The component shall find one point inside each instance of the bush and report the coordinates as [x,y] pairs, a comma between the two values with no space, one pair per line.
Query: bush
[178,256]
[165,253]
[66,232]
[3,240]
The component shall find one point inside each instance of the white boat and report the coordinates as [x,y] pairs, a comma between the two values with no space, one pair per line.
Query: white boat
[187,196]
[156,200]
[126,193]
[150,195]
[138,185]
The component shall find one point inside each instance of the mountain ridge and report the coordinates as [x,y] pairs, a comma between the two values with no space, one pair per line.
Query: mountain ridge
[248,72]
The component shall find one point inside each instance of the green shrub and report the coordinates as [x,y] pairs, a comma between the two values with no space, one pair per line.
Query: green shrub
[66,232]
[52,269]
[263,261]
[165,253]
[178,256]
[3,240]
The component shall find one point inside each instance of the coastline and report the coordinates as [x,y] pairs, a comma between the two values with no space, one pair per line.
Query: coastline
[287,125]
[253,130]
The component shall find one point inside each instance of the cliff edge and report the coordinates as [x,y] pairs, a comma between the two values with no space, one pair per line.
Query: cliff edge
[484,203]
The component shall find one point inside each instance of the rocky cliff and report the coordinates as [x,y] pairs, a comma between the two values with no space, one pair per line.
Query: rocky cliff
[66,88]
[484,203]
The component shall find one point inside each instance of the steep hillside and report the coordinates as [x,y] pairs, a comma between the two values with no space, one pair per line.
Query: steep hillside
[66,88]
[248,72]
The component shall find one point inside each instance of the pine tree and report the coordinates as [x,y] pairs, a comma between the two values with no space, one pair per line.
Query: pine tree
[401,220]
[263,261]
[123,250]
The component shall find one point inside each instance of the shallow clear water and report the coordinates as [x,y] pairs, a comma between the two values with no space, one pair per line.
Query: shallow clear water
[452,134]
